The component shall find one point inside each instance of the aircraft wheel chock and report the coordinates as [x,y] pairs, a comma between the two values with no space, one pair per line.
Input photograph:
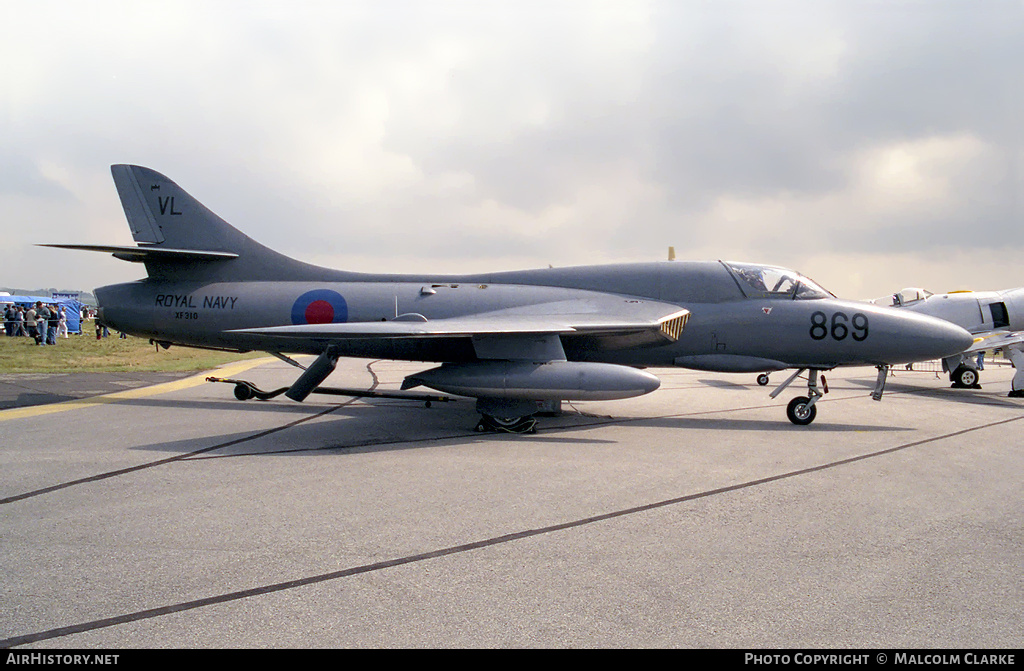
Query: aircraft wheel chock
[799,412]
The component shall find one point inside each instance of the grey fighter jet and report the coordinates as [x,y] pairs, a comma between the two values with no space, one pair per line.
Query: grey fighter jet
[512,340]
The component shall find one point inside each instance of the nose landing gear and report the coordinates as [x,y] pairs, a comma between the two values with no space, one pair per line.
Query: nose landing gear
[801,410]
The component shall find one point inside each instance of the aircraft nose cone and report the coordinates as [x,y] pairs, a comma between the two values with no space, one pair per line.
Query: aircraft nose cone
[963,339]
[941,339]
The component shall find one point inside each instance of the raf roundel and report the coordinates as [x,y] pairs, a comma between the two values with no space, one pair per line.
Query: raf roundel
[320,306]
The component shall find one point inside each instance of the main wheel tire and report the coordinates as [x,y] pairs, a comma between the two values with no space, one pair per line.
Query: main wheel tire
[800,412]
[965,376]
[507,424]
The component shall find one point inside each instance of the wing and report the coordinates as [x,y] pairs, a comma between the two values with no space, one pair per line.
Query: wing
[533,331]
[994,340]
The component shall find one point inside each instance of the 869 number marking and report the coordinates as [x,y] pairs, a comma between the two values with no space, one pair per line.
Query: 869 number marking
[840,326]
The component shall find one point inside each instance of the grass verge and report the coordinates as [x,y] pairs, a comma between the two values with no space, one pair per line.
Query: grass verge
[86,354]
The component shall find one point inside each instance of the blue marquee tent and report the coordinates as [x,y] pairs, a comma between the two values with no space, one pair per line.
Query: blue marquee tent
[72,307]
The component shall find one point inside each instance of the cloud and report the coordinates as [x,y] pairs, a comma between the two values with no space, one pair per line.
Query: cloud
[465,135]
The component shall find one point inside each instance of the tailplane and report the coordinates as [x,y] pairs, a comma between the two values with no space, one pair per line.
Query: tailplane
[179,238]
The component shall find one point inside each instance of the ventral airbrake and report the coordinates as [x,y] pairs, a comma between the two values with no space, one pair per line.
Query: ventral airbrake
[512,340]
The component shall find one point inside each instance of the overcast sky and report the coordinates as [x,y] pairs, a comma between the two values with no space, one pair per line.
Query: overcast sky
[870,145]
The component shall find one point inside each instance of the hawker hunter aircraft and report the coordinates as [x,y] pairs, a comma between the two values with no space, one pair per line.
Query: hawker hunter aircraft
[511,340]
[995,318]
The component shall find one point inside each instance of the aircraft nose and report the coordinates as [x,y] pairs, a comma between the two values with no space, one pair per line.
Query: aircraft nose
[937,338]
[963,339]
[955,338]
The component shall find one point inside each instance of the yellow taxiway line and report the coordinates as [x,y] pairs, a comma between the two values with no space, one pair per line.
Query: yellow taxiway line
[227,370]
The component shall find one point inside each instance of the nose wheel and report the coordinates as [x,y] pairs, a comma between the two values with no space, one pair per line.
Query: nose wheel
[801,410]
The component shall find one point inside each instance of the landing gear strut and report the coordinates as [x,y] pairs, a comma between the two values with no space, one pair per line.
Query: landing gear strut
[801,410]
[1016,357]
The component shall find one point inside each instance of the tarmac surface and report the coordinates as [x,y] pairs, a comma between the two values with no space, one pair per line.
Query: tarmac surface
[21,390]
[174,516]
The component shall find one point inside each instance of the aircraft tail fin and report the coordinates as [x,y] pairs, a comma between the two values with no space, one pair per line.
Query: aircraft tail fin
[179,238]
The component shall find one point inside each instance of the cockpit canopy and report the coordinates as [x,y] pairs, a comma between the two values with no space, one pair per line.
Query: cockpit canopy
[909,295]
[773,282]
[903,297]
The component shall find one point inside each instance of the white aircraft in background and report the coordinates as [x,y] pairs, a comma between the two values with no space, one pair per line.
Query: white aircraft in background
[995,318]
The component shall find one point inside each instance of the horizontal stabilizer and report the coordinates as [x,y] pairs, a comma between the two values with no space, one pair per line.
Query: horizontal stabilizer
[140,254]
[178,238]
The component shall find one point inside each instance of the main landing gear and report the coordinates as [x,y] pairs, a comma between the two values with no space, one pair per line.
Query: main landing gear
[509,415]
[506,425]
[1016,357]
[965,377]
[962,372]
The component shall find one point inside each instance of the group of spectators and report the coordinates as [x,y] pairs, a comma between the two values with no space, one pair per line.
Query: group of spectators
[43,322]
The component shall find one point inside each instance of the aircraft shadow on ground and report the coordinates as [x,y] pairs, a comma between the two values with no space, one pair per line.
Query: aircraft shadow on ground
[724,424]
[225,405]
[726,384]
[31,399]
[995,396]
[378,424]
[384,424]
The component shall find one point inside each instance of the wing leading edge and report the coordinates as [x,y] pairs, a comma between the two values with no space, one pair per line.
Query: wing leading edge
[994,340]
[507,334]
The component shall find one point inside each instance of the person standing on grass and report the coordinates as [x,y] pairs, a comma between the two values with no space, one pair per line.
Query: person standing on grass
[41,317]
[62,325]
[30,321]
[52,324]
